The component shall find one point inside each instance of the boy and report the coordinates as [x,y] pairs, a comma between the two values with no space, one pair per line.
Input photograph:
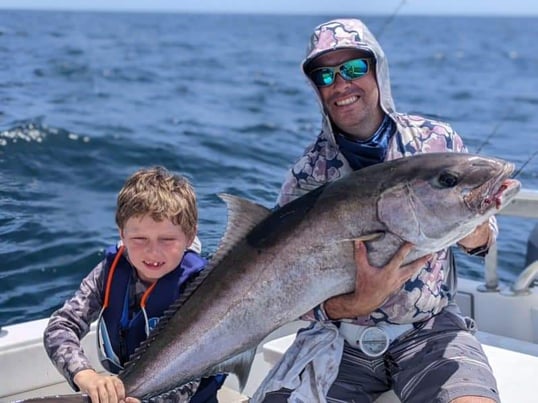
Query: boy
[130,289]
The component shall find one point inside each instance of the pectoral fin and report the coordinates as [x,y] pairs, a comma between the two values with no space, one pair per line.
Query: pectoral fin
[365,238]
[238,365]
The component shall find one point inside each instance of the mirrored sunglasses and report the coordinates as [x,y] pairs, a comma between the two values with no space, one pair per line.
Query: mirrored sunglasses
[350,70]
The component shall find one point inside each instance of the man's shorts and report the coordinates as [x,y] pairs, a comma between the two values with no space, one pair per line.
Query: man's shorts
[438,362]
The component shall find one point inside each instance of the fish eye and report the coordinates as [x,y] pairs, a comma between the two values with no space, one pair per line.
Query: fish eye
[448,180]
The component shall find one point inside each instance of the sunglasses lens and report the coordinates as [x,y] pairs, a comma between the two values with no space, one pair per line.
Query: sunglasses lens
[350,70]
[323,77]
[354,69]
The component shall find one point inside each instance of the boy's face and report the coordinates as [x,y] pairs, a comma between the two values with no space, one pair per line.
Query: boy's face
[155,248]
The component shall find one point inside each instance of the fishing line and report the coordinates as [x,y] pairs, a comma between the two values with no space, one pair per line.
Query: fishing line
[493,132]
[520,169]
[389,20]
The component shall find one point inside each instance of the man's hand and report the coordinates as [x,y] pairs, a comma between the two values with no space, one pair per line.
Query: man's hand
[101,388]
[373,285]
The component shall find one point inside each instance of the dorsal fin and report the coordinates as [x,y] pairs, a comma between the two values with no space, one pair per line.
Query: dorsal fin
[243,215]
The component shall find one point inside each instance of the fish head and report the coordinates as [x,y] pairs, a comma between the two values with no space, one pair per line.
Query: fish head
[435,199]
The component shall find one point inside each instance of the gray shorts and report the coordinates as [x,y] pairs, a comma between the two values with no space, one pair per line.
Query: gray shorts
[438,362]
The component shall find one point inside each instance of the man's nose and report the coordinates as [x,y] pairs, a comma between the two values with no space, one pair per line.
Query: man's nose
[339,80]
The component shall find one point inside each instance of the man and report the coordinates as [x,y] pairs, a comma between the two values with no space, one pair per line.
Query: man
[401,327]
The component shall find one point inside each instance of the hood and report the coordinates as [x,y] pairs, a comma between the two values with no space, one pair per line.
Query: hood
[350,33]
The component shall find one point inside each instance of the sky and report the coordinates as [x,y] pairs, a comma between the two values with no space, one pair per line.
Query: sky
[348,7]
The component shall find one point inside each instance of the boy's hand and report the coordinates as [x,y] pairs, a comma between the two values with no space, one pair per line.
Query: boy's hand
[101,388]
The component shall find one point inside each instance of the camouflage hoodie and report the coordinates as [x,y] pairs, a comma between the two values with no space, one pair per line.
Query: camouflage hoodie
[426,294]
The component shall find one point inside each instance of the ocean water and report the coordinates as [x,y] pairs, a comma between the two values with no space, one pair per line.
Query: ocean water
[87,98]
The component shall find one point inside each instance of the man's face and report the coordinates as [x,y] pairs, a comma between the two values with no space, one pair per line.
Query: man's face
[352,105]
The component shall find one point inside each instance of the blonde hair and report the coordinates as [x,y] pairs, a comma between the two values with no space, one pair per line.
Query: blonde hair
[161,195]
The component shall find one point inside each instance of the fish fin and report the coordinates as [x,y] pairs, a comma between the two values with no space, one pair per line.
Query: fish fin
[374,236]
[69,398]
[369,237]
[238,365]
[243,215]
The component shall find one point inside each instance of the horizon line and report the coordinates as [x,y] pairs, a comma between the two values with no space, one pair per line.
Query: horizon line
[140,10]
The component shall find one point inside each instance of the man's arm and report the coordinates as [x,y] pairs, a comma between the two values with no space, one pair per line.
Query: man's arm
[373,285]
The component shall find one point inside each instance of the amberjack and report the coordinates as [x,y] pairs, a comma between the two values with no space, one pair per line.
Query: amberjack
[273,265]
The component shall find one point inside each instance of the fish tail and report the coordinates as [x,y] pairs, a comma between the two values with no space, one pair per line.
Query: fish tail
[70,398]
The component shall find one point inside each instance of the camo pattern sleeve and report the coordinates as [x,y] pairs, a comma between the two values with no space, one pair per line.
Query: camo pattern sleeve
[321,162]
[69,324]
[181,394]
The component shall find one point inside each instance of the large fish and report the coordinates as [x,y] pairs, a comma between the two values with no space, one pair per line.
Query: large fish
[273,266]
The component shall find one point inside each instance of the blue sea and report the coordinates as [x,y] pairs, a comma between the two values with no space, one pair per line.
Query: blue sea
[87,98]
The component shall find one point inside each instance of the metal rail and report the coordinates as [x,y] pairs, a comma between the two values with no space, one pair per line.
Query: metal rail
[525,204]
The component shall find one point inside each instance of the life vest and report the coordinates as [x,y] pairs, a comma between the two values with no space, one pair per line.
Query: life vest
[117,334]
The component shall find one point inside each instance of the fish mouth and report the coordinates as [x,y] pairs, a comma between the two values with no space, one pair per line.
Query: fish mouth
[505,192]
[496,193]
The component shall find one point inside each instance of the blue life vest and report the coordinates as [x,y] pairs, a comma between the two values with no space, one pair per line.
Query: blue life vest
[119,336]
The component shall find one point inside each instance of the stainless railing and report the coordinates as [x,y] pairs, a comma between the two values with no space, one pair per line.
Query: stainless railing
[525,204]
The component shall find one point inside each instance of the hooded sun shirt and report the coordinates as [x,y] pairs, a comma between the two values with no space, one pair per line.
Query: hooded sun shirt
[328,159]
[361,154]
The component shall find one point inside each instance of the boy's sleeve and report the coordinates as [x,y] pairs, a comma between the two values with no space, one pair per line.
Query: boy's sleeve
[69,324]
